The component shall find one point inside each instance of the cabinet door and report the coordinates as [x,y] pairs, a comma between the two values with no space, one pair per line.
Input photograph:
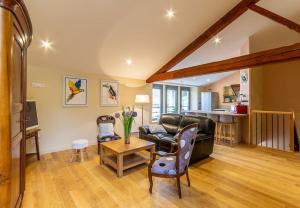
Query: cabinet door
[17,125]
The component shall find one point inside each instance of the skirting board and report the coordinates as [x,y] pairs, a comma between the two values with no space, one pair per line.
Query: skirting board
[60,148]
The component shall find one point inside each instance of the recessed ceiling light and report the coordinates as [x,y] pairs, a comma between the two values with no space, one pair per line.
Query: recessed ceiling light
[46,44]
[170,13]
[217,40]
[208,80]
[128,61]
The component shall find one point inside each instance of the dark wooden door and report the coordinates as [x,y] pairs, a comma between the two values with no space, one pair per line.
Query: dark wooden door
[17,123]
[15,37]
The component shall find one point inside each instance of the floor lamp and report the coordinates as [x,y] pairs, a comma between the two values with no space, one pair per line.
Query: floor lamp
[142,99]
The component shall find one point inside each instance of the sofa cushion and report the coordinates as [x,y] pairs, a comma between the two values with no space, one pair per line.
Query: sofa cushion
[170,122]
[106,130]
[155,128]
[204,123]
[162,135]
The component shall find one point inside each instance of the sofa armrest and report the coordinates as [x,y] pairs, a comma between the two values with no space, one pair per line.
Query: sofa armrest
[144,130]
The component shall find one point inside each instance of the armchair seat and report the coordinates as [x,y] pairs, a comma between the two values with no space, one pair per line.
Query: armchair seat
[164,166]
[108,138]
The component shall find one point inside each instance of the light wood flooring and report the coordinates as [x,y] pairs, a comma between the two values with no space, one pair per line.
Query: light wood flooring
[241,176]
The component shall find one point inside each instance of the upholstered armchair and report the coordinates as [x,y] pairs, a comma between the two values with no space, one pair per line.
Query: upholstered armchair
[106,119]
[174,165]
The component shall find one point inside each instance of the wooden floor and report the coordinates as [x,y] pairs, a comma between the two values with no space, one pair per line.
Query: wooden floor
[241,176]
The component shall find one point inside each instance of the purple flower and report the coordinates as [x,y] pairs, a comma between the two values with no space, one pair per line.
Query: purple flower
[134,114]
[117,115]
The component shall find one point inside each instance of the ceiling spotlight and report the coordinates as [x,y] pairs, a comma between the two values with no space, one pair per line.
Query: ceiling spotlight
[208,80]
[170,13]
[46,44]
[128,62]
[217,40]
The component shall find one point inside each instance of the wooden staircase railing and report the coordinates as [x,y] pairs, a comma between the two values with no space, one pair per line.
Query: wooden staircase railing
[273,129]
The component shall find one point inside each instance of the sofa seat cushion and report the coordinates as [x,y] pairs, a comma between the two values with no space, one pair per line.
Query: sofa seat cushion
[162,135]
[168,139]
[155,128]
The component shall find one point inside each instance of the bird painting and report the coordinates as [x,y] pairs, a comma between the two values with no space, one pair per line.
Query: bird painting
[74,88]
[112,93]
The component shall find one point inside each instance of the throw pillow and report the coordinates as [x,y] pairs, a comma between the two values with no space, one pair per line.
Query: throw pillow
[156,129]
[106,130]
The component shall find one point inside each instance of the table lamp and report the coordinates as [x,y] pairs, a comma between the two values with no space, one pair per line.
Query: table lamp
[142,99]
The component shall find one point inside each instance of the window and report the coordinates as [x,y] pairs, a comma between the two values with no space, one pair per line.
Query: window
[171,99]
[157,101]
[185,99]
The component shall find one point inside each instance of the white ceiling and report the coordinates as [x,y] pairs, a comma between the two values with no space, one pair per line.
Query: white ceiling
[97,36]
[200,80]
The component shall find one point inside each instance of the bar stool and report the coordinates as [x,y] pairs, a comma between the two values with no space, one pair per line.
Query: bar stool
[218,131]
[79,149]
[228,132]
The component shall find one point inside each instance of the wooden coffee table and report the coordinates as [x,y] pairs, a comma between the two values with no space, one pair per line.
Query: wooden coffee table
[121,156]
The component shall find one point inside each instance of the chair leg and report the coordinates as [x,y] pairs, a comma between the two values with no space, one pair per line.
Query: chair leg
[178,186]
[150,181]
[187,177]
[86,153]
[98,148]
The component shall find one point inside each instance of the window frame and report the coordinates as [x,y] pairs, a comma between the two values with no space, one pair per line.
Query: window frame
[171,87]
[161,88]
[181,90]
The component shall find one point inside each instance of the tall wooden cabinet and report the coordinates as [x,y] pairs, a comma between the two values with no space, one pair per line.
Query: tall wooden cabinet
[15,37]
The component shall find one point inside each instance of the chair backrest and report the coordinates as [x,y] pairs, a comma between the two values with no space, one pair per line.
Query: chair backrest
[106,119]
[186,142]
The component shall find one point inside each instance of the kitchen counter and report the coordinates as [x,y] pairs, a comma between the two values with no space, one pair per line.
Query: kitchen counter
[228,117]
[223,113]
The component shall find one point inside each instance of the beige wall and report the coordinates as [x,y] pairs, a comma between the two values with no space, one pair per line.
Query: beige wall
[60,125]
[219,86]
[275,86]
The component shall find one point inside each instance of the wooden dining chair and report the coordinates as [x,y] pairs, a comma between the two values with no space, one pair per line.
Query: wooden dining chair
[174,165]
[106,119]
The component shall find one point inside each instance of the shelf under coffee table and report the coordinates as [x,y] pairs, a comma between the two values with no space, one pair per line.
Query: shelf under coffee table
[121,156]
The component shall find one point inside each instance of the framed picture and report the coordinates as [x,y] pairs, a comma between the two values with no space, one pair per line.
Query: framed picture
[109,93]
[75,91]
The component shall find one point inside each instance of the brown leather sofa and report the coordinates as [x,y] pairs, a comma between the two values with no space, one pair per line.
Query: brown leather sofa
[173,123]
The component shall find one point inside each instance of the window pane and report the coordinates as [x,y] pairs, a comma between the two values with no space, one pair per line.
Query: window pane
[171,100]
[156,102]
[185,100]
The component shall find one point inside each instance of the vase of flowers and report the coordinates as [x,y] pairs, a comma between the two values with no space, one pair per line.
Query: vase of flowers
[127,117]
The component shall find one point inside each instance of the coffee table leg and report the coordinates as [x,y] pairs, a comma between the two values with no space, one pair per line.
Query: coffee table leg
[120,165]
[101,154]
[152,150]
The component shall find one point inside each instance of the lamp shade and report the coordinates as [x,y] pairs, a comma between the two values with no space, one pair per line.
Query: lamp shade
[142,99]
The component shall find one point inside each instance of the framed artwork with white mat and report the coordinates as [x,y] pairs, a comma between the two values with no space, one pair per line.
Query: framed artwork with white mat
[75,91]
[109,93]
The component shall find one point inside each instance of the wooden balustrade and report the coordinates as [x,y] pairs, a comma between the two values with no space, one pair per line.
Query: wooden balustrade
[273,129]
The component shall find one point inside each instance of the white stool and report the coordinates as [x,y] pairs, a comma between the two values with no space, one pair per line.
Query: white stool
[79,149]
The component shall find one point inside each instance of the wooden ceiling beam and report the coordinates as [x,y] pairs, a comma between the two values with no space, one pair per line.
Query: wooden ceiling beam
[275,17]
[251,60]
[227,19]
